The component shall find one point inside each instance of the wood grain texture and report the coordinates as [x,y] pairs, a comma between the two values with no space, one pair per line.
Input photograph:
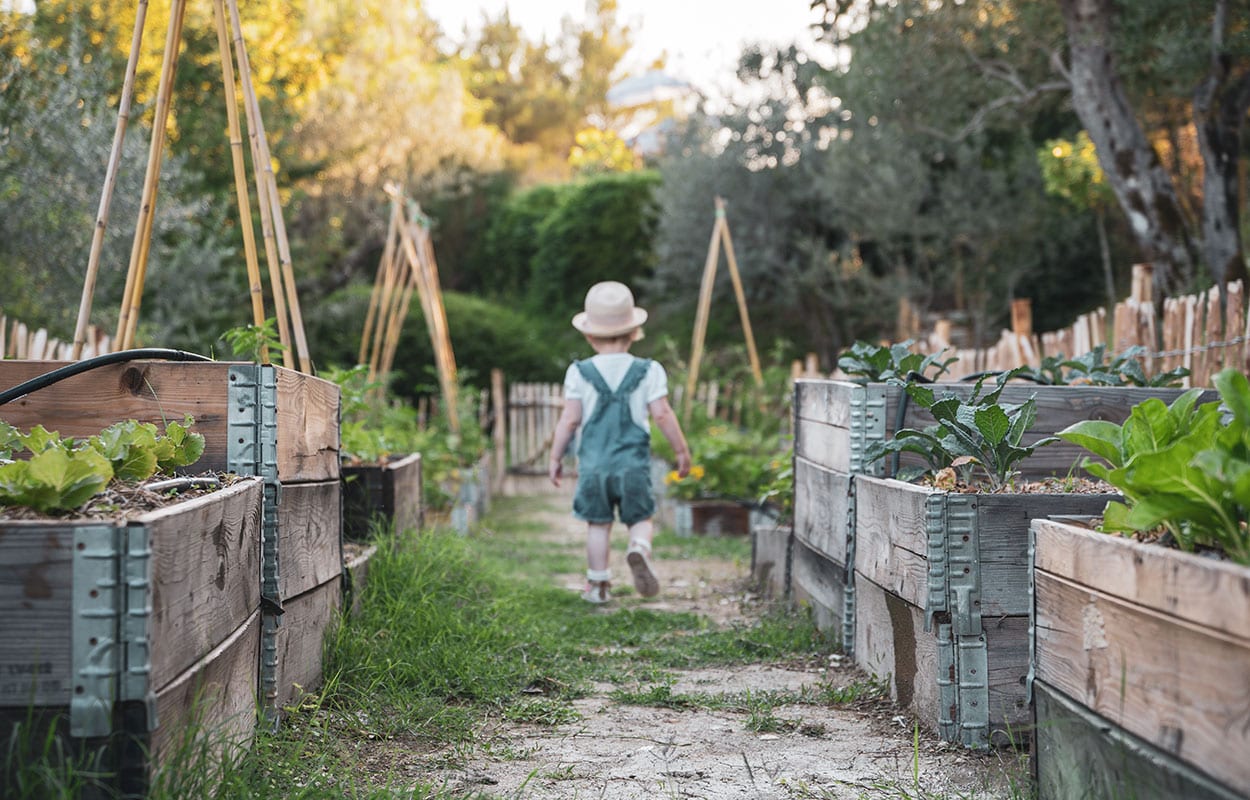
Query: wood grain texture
[824,401]
[823,444]
[890,641]
[890,542]
[308,427]
[1203,591]
[36,604]
[299,640]
[205,573]
[770,559]
[356,572]
[820,508]
[819,583]
[218,695]
[1182,687]
[309,548]
[147,391]
[405,492]
[1079,754]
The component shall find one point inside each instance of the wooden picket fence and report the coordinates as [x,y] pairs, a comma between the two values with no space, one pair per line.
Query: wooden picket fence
[1190,333]
[17,340]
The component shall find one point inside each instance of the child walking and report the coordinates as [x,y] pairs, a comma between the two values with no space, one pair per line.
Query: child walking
[607,401]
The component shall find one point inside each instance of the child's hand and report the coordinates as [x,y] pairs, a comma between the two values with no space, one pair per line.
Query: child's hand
[683,465]
[555,469]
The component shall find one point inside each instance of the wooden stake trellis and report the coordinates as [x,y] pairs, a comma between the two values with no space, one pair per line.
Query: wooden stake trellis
[277,250]
[408,266]
[720,234]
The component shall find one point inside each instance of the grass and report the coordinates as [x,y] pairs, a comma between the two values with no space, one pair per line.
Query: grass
[455,631]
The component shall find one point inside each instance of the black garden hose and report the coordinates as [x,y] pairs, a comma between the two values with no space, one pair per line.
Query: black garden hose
[69,370]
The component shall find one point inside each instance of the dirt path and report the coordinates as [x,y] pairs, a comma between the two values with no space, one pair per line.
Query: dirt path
[618,751]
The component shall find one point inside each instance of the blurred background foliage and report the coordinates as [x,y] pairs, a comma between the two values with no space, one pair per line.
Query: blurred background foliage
[930,155]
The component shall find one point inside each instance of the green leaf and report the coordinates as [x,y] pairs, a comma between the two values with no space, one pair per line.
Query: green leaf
[54,479]
[1234,390]
[993,424]
[1098,436]
[40,439]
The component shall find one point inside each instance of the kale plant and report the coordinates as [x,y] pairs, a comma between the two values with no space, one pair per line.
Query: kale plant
[1094,369]
[871,363]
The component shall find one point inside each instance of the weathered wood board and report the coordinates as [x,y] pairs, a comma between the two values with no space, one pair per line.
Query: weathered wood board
[309,543]
[388,493]
[897,525]
[891,642]
[305,620]
[205,575]
[36,604]
[1077,753]
[820,584]
[770,558]
[156,391]
[217,696]
[1151,639]
[356,574]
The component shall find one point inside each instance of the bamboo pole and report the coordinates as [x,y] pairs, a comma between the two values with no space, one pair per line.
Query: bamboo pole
[742,300]
[251,109]
[255,288]
[395,320]
[702,311]
[388,253]
[427,288]
[143,226]
[395,272]
[110,183]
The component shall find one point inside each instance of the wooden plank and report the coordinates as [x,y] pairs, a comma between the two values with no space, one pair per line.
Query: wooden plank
[820,508]
[823,444]
[217,695]
[1079,754]
[820,584]
[309,548]
[299,640]
[1179,686]
[770,558]
[206,573]
[824,401]
[890,541]
[404,492]
[156,391]
[890,641]
[1003,536]
[1202,591]
[357,573]
[36,585]
[1007,658]
[308,427]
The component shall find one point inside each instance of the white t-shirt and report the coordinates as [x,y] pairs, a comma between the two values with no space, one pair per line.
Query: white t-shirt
[613,366]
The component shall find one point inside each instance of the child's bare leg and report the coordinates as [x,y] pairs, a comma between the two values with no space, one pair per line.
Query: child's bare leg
[597,545]
[639,558]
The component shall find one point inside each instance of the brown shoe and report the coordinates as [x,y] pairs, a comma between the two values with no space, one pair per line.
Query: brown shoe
[639,558]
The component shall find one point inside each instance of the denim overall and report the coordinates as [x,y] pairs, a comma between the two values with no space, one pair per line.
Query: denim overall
[614,454]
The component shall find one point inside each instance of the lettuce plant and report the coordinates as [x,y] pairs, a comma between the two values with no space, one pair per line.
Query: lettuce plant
[54,479]
[980,437]
[870,363]
[1184,468]
[137,452]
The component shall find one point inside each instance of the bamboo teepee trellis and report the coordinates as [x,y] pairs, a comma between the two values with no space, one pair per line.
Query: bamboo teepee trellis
[720,234]
[277,251]
[407,267]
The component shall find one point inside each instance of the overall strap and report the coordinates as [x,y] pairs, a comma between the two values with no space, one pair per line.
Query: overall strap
[634,376]
[593,377]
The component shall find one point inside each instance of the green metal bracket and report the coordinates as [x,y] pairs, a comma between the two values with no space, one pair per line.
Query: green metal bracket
[867,426]
[848,581]
[935,545]
[136,673]
[95,630]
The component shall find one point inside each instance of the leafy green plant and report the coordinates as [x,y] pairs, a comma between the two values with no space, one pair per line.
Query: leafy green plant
[55,479]
[1095,369]
[870,363]
[730,462]
[10,439]
[1182,468]
[249,341]
[137,452]
[979,433]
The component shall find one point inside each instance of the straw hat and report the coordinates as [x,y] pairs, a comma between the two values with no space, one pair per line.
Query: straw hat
[610,311]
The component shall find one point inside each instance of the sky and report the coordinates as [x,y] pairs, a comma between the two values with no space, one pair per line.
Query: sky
[701,37]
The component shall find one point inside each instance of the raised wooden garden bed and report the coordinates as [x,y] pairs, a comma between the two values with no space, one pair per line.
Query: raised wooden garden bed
[771,541]
[942,601]
[268,421]
[836,421]
[119,633]
[387,494]
[1141,672]
[356,560]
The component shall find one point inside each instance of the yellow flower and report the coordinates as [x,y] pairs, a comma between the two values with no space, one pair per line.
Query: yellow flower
[696,472]
[671,478]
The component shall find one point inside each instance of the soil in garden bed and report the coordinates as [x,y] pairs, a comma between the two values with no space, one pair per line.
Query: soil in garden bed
[122,501]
